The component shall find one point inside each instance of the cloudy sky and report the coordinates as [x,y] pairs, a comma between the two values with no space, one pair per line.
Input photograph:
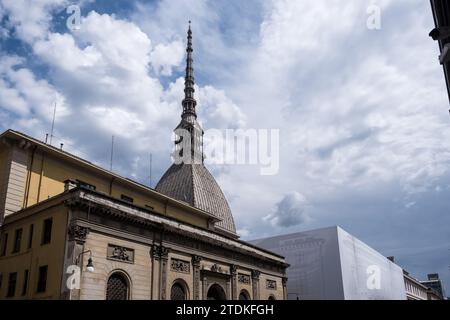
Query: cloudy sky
[362,114]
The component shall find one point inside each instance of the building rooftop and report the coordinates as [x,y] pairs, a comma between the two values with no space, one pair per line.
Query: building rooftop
[194,184]
[190,181]
[67,156]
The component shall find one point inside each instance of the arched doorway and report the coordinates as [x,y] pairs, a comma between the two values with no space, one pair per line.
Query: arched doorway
[117,287]
[272,297]
[244,295]
[216,292]
[178,292]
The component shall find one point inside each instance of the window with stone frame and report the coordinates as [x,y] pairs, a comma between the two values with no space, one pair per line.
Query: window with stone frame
[117,287]
[17,240]
[47,231]
[42,279]
[4,244]
[30,236]
[25,282]
[12,281]
[177,292]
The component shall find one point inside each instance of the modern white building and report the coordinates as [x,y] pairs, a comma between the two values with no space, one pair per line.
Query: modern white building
[331,264]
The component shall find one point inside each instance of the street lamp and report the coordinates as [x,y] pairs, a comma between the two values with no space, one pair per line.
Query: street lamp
[90,264]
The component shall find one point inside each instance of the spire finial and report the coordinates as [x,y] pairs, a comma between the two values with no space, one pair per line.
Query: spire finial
[189,102]
[191,148]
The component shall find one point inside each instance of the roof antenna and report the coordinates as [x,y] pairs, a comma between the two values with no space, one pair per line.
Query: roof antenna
[112,153]
[53,124]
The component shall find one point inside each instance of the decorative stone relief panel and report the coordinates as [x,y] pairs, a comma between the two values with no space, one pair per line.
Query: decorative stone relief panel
[271,284]
[180,265]
[244,278]
[120,253]
[216,268]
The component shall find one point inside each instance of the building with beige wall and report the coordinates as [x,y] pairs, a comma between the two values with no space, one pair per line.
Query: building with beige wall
[73,230]
[414,289]
[417,290]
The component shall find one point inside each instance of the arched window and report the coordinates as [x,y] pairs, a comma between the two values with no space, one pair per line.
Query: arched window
[177,292]
[117,287]
[244,295]
[216,292]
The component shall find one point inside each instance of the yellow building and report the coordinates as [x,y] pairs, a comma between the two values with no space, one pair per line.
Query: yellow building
[73,230]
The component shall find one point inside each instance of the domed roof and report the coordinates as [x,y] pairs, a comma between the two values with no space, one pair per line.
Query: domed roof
[195,185]
[190,181]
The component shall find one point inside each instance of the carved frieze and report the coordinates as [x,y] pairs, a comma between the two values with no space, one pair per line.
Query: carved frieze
[243,278]
[216,268]
[180,265]
[120,253]
[200,245]
[271,284]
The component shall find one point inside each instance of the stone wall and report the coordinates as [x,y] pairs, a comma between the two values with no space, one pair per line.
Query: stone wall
[155,254]
[93,285]
[179,268]
[177,272]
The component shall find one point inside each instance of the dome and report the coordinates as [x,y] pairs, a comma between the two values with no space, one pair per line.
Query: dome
[195,185]
[190,181]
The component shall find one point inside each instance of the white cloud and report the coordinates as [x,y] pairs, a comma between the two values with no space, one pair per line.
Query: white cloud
[121,43]
[101,73]
[31,19]
[218,110]
[352,109]
[290,211]
[166,56]
[23,94]
[243,232]
[61,51]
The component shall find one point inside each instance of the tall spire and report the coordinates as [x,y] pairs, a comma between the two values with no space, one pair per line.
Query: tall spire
[189,148]
[189,102]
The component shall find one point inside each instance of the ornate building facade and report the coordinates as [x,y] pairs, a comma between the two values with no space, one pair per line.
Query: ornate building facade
[72,230]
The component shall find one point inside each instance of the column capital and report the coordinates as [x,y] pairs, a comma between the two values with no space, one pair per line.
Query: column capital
[233,269]
[159,252]
[256,274]
[78,233]
[196,260]
[164,252]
